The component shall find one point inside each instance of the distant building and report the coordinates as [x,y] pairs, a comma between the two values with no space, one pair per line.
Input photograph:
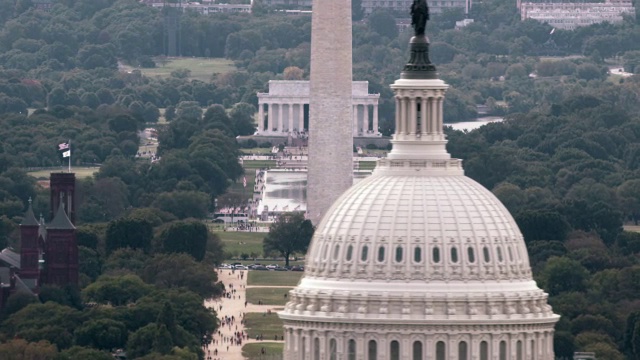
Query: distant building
[289,3]
[205,7]
[48,251]
[402,5]
[568,16]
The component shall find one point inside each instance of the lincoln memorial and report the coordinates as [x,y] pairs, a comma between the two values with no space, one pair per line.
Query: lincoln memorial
[287,109]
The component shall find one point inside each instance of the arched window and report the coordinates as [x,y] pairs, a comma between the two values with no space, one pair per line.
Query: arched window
[336,252]
[436,254]
[440,350]
[503,350]
[534,352]
[325,253]
[499,251]
[417,350]
[365,253]
[373,350]
[381,254]
[399,254]
[316,349]
[349,252]
[484,350]
[510,253]
[351,351]
[304,348]
[519,350]
[471,255]
[333,349]
[485,252]
[463,352]
[454,254]
[394,350]
[417,254]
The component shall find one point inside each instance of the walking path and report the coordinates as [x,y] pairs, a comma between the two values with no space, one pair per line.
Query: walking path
[233,308]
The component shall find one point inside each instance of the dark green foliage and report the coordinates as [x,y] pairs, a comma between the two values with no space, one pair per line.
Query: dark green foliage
[105,334]
[116,290]
[79,352]
[181,271]
[17,302]
[188,237]
[132,233]
[290,233]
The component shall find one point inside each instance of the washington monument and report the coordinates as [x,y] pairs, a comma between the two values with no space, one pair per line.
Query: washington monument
[330,106]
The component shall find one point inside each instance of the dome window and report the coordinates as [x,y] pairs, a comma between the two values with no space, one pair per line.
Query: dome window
[394,350]
[499,251]
[365,253]
[352,350]
[316,349]
[503,350]
[484,350]
[510,253]
[333,349]
[454,254]
[440,350]
[463,351]
[519,350]
[436,254]
[325,253]
[471,255]
[336,252]
[417,254]
[381,254]
[349,252]
[399,254]
[485,253]
[373,350]
[417,350]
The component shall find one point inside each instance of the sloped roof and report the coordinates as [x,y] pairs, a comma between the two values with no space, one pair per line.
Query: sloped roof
[29,217]
[61,220]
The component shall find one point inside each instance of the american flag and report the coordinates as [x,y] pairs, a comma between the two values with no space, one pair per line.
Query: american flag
[244,181]
[63,146]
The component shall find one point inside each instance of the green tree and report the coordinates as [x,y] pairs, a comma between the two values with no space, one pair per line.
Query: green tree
[133,233]
[79,352]
[188,237]
[290,233]
[181,271]
[116,290]
[20,349]
[562,274]
[104,334]
[383,23]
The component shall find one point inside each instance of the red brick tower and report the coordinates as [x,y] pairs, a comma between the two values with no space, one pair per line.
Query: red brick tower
[63,188]
[61,250]
[30,249]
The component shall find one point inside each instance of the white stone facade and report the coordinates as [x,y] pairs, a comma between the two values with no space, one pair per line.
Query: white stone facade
[282,109]
[418,261]
[435,7]
[568,16]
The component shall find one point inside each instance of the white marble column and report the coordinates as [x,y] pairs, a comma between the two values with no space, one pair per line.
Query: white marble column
[398,113]
[423,116]
[261,117]
[366,123]
[355,120]
[269,117]
[290,105]
[403,118]
[413,116]
[280,117]
[301,117]
[433,114]
[375,119]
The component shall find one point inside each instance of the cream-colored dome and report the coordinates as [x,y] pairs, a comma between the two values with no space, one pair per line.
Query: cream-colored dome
[420,228]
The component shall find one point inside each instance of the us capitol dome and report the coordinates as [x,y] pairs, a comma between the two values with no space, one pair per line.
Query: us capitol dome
[418,261]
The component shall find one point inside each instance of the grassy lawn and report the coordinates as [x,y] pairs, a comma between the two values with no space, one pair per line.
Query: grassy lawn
[81,172]
[237,243]
[257,164]
[366,165]
[268,296]
[634,228]
[274,278]
[267,325]
[254,351]
[201,68]
[265,151]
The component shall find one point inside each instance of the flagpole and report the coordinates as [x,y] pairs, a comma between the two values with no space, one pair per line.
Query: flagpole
[69,155]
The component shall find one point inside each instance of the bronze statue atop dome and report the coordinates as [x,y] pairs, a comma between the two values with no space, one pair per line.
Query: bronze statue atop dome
[419,16]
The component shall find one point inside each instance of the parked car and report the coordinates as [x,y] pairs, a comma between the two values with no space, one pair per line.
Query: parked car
[281,269]
[272,266]
[260,267]
[297,268]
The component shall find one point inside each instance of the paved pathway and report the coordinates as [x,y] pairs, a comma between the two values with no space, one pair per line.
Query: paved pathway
[233,307]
